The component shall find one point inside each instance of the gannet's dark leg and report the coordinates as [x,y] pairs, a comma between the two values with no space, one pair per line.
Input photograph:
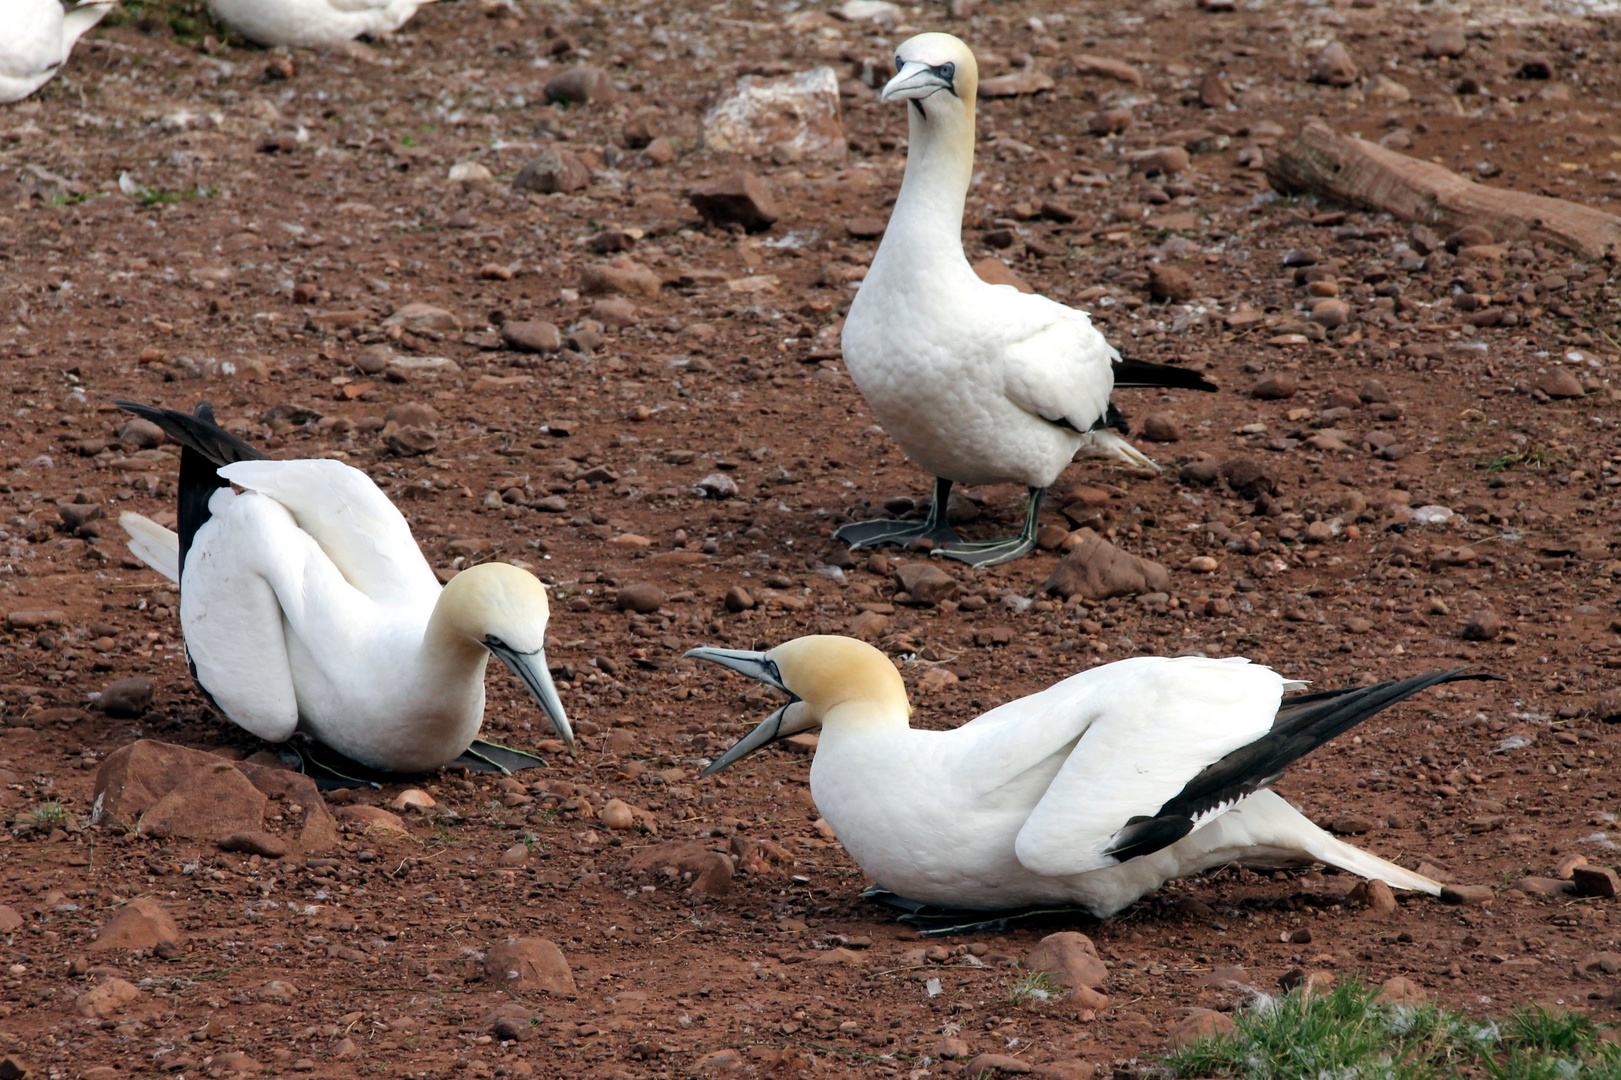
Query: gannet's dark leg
[935,528]
[992,552]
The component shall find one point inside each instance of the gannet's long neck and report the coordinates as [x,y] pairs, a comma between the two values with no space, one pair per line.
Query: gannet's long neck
[449,677]
[927,223]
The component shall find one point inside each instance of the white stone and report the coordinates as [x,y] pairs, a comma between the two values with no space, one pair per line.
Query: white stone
[799,113]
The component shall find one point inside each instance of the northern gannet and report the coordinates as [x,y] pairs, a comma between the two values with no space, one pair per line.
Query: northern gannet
[312,23]
[978,383]
[1093,792]
[306,606]
[39,35]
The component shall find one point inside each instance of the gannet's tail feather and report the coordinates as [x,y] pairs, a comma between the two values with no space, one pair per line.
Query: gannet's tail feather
[1103,443]
[1140,374]
[154,545]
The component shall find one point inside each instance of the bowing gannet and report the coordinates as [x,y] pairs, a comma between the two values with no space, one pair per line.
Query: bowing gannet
[1093,792]
[39,35]
[978,383]
[312,23]
[306,606]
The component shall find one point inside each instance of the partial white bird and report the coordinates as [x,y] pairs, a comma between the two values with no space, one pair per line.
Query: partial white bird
[312,23]
[1092,792]
[39,35]
[306,606]
[978,383]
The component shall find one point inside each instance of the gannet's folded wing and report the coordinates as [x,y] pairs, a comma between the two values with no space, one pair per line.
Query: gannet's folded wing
[1158,726]
[33,38]
[361,531]
[1062,372]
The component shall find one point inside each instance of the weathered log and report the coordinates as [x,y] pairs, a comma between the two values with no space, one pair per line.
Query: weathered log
[1323,162]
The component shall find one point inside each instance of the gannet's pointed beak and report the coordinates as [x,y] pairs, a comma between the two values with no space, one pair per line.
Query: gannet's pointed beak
[776,726]
[918,80]
[532,671]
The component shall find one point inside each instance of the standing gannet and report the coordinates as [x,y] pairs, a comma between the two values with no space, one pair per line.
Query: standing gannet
[1093,792]
[312,23]
[978,383]
[39,35]
[306,606]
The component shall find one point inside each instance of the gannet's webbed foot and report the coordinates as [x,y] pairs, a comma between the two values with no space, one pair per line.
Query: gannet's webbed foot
[331,770]
[993,552]
[934,528]
[492,757]
[934,920]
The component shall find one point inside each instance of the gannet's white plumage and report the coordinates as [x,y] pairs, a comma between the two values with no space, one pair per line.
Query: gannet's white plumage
[1093,792]
[38,36]
[306,605]
[978,383]
[312,23]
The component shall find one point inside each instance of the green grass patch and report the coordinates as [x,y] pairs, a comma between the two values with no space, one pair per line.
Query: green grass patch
[1347,1034]
[153,196]
[1531,459]
[188,20]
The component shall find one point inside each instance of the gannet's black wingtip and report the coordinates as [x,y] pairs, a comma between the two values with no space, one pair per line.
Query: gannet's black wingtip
[1140,374]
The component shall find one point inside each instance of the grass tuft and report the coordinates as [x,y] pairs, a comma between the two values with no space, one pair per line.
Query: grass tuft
[1347,1034]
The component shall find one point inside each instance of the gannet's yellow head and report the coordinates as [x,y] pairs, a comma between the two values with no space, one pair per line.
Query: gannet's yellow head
[504,609]
[937,74]
[822,675]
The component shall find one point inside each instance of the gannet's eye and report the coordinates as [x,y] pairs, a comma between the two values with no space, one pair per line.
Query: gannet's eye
[493,642]
[897,64]
[948,72]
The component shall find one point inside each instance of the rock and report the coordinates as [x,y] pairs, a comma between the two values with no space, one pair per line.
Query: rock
[554,170]
[418,316]
[10,919]
[1469,236]
[411,441]
[1170,283]
[615,313]
[372,819]
[1200,473]
[716,486]
[1599,963]
[527,965]
[1448,41]
[412,414]
[619,276]
[1248,477]
[126,697]
[516,855]
[868,625]
[1161,428]
[582,85]
[1214,91]
[738,599]
[1275,386]
[643,598]
[512,1022]
[994,271]
[798,114]
[1108,68]
[1398,990]
[140,924]
[1483,626]
[1018,84]
[740,199]
[1310,983]
[1544,886]
[1377,898]
[34,619]
[531,336]
[140,434]
[926,583]
[258,843]
[990,1065]
[1097,570]
[1200,1024]
[134,777]
[233,1062]
[866,228]
[1331,314]
[644,125]
[1072,960]
[1598,881]
[209,802]
[13,1067]
[1557,382]
[618,815]
[413,799]
[1334,66]
[661,151]
[710,872]
[1352,825]
[1109,122]
[1166,160]
[108,998]
[1466,895]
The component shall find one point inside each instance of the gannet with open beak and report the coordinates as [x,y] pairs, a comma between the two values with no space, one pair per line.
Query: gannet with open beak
[978,383]
[306,606]
[39,35]
[312,23]
[1093,792]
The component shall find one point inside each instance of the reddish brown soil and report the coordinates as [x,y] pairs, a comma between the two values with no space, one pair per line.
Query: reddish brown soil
[287,271]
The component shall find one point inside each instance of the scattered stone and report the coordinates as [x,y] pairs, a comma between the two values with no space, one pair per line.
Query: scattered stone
[512,1022]
[413,799]
[1214,91]
[10,919]
[1072,960]
[1331,314]
[1018,84]
[1161,428]
[1399,990]
[925,583]
[582,85]
[992,1064]
[866,228]
[643,598]
[516,855]
[1275,386]
[1109,122]
[1167,283]
[553,171]
[419,316]
[140,924]
[1448,41]
[13,1067]
[1466,895]
[108,998]
[1310,983]
[1098,570]
[372,819]
[1108,68]
[614,313]
[126,697]
[1544,886]
[140,434]
[1334,66]
[1483,626]
[740,199]
[1374,895]
[1558,382]
[207,803]
[527,965]
[1248,477]
[1161,160]
[1599,963]
[531,336]
[709,872]
[1598,881]
[410,441]
[717,486]
[254,842]
[1200,1024]
[798,114]
[619,276]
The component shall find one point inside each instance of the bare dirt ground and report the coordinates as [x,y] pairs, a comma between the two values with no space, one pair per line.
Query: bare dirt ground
[266,229]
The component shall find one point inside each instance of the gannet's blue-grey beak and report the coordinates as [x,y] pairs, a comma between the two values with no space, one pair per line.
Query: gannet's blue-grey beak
[532,671]
[756,666]
[919,80]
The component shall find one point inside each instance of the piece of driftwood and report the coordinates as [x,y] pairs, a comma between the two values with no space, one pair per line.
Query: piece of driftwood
[1323,162]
